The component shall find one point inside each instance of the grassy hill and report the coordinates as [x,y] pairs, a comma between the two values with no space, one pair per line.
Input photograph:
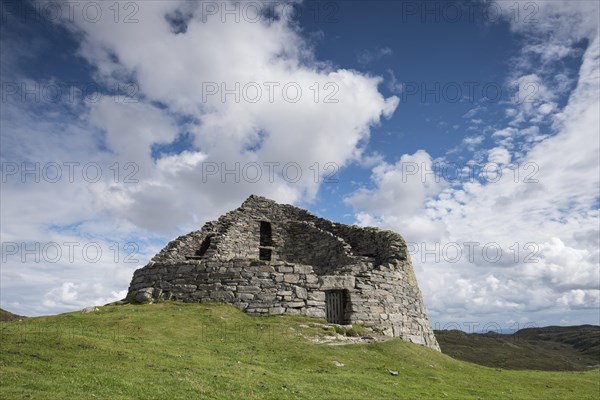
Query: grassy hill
[585,339]
[177,350]
[572,348]
[8,316]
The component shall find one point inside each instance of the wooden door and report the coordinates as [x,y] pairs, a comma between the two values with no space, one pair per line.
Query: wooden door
[335,303]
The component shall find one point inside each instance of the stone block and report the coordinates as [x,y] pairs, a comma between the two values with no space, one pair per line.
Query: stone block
[265,297]
[185,288]
[185,269]
[397,318]
[245,296]
[301,293]
[208,287]
[223,296]
[291,278]
[360,316]
[316,295]
[248,289]
[144,295]
[257,310]
[303,269]
[315,312]
[336,282]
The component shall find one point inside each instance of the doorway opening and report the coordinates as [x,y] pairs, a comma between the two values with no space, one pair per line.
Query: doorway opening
[335,306]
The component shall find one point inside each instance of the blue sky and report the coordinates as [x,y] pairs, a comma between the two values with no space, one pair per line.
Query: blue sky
[128,116]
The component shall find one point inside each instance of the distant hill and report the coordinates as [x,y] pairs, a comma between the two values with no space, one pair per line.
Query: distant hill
[584,338]
[8,316]
[553,348]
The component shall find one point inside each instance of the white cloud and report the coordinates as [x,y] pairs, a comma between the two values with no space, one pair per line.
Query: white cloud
[558,23]
[172,75]
[499,155]
[533,99]
[131,129]
[400,191]
[394,85]
[261,57]
[471,142]
[548,230]
[474,111]
[70,295]
[550,52]
[580,299]
[365,56]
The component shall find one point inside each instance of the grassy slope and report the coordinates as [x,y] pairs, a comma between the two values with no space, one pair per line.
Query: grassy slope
[550,349]
[8,316]
[175,350]
[584,338]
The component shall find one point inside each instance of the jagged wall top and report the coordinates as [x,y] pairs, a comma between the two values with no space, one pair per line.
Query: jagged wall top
[298,237]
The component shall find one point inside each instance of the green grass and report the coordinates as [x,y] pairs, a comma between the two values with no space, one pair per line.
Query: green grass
[179,351]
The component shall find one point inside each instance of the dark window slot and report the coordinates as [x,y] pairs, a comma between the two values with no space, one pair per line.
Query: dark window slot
[266,238]
[264,254]
[203,246]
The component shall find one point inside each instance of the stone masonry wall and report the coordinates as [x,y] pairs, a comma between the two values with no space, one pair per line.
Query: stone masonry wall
[307,244]
[254,286]
[378,299]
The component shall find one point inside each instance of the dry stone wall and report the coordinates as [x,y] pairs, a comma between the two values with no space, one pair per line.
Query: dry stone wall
[309,257]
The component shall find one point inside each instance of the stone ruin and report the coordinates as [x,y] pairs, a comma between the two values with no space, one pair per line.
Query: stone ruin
[270,258]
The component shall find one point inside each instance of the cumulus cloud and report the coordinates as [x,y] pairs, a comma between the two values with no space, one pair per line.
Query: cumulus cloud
[207,111]
[259,101]
[540,210]
[473,141]
[499,155]
[533,99]
[399,194]
[70,295]
[580,299]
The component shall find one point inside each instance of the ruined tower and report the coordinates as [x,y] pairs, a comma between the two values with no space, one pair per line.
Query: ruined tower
[270,258]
